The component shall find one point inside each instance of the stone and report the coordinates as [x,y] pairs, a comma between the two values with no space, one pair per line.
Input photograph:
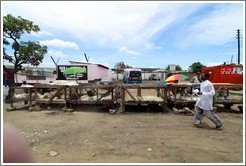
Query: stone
[53,153]
[10,108]
[69,110]
[112,111]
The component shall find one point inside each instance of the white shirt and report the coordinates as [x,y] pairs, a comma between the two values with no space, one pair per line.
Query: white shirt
[205,101]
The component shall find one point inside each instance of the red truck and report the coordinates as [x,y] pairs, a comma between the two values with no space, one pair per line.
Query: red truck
[225,73]
[225,78]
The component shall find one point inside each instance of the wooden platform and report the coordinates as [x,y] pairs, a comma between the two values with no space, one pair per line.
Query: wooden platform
[118,94]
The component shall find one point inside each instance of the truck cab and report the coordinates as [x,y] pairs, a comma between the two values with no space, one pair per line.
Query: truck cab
[132,76]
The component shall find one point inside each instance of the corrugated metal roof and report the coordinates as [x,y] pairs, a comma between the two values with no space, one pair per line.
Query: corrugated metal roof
[86,63]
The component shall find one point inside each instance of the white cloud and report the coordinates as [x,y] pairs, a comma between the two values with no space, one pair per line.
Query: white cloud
[141,27]
[49,64]
[128,51]
[213,64]
[42,33]
[216,28]
[46,33]
[157,47]
[60,44]
[152,67]
[57,54]
[121,23]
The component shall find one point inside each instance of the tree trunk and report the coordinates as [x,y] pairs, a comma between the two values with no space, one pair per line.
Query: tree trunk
[11,91]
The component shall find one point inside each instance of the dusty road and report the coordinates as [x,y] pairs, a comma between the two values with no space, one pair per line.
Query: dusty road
[91,135]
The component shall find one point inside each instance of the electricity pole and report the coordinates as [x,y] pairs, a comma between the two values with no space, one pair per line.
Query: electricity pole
[238,45]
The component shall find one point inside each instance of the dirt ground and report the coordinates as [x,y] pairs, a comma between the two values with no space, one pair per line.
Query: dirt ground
[90,134]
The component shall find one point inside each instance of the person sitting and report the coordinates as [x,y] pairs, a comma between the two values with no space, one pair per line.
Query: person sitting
[24,84]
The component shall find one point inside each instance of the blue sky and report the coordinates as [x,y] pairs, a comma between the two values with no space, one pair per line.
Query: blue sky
[141,34]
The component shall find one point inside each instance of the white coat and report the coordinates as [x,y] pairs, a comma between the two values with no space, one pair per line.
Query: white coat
[205,101]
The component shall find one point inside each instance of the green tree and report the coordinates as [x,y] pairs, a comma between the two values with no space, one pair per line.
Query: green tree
[196,67]
[24,52]
[178,68]
[120,66]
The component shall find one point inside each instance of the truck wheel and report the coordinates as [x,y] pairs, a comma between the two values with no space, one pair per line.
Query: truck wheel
[227,106]
[240,107]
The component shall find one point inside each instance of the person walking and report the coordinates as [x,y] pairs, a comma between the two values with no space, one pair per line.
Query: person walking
[204,104]
[7,80]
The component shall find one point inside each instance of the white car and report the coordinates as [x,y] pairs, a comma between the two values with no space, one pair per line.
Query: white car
[106,80]
[154,77]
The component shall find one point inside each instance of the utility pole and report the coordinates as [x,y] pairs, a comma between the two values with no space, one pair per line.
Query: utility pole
[231,59]
[238,45]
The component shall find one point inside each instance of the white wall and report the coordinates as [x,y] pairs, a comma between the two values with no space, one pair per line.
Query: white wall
[20,78]
[120,76]
[94,72]
[98,72]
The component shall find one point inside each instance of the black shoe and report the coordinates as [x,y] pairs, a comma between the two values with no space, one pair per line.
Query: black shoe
[218,126]
[197,125]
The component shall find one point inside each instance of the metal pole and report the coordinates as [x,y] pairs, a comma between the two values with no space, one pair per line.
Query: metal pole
[238,45]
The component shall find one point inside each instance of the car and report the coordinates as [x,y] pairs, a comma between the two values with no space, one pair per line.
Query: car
[154,77]
[132,76]
[106,80]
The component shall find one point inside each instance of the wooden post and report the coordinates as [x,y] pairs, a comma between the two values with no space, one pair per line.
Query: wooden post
[158,92]
[139,91]
[175,94]
[97,94]
[25,91]
[65,93]
[164,104]
[12,102]
[36,96]
[112,93]
[123,99]
[30,97]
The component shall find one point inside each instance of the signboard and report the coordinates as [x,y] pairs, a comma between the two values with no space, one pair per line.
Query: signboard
[231,70]
[72,72]
[172,67]
[225,74]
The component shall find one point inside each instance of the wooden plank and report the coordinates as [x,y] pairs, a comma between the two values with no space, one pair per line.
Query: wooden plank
[119,92]
[130,95]
[73,91]
[231,101]
[159,94]
[57,92]
[46,101]
[107,93]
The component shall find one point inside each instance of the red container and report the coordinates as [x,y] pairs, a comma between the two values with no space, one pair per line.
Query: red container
[225,73]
